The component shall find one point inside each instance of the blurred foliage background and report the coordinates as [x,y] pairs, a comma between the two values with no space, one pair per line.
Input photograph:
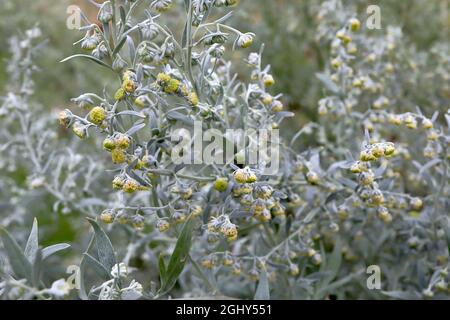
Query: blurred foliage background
[288,28]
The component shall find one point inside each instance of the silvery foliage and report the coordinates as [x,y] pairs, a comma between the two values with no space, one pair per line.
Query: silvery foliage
[35,167]
[30,141]
[374,82]
[168,81]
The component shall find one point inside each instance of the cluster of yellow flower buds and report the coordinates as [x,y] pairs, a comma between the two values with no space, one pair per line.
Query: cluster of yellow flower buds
[128,185]
[245,175]
[170,85]
[375,151]
[223,225]
[117,145]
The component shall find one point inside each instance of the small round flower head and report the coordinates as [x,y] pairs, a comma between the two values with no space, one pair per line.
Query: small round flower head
[122,218]
[208,263]
[312,177]
[227,260]
[354,24]
[278,210]
[172,86]
[65,118]
[245,40]
[118,182]
[186,193]
[377,150]
[358,167]
[141,101]
[107,216]
[196,210]
[221,184]
[118,156]
[343,212]
[377,197]
[79,130]
[246,200]
[277,106]
[162,5]
[179,217]
[416,204]
[441,286]
[264,216]
[427,123]
[240,176]
[130,186]
[384,214]
[263,192]
[432,135]
[109,144]
[229,230]
[367,155]
[336,63]
[129,86]
[334,227]
[138,222]
[294,269]
[90,43]
[162,225]
[236,269]
[122,141]
[389,148]
[317,259]
[120,94]
[105,14]
[193,99]
[268,80]
[267,99]
[258,206]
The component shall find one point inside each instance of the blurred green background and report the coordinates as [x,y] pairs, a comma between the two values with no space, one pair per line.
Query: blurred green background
[287,27]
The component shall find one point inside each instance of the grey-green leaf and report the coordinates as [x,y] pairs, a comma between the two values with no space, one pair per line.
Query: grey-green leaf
[263,291]
[162,270]
[50,250]
[179,257]
[19,263]
[37,267]
[97,266]
[105,250]
[87,57]
[32,243]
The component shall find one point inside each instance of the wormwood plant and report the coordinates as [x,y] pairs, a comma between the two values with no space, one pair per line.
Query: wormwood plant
[34,168]
[168,80]
[256,226]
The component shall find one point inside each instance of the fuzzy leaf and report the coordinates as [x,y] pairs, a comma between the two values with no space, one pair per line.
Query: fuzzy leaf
[19,263]
[179,257]
[402,295]
[262,291]
[37,267]
[87,57]
[105,250]
[50,250]
[32,243]
[97,266]
[162,270]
